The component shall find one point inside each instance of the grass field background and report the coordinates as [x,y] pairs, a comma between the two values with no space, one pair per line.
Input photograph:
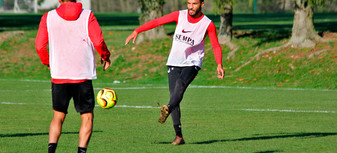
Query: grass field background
[145,63]
[215,119]
[283,102]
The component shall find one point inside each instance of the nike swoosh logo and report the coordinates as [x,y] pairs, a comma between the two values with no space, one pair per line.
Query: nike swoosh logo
[186,31]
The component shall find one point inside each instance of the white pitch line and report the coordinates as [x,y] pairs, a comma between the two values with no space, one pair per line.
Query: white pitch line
[127,106]
[192,86]
[11,103]
[24,90]
[123,106]
[259,88]
[136,88]
[252,110]
[25,80]
[290,111]
[224,87]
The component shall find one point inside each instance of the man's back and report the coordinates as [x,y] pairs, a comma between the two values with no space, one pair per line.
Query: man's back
[71,50]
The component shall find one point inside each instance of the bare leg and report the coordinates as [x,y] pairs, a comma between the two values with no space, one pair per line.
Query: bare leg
[86,129]
[55,128]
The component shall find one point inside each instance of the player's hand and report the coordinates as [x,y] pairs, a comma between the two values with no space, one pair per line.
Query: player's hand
[106,64]
[132,36]
[221,72]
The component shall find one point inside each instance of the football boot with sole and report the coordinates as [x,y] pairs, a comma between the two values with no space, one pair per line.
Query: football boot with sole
[178,141]
[163,114]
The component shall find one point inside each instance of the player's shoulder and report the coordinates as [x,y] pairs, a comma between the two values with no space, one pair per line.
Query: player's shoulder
[211,27]
[44,16]
[207,18]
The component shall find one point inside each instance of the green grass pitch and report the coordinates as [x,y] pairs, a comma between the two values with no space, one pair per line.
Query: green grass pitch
[214,119]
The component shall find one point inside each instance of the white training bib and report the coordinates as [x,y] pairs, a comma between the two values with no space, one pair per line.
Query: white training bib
[72,54]
[188,42]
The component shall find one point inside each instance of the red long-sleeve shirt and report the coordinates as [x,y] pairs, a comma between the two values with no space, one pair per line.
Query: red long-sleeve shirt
[70,12]
[173,17]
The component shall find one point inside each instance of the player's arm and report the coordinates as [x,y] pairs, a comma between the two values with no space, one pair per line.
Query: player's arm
[172,17]
[41,41]
[211,30]
[96,36]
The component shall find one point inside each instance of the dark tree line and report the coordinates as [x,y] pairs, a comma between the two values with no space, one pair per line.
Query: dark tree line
[239,6]
[151,9]
[303,31]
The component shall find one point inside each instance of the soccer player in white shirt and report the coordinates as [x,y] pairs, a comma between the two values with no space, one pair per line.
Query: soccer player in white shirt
[186,55]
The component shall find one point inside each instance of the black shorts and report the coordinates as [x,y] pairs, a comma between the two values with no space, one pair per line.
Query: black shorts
[82,94]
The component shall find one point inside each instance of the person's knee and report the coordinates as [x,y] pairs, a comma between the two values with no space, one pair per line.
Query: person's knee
[87,117]
[181,84]
[59,116]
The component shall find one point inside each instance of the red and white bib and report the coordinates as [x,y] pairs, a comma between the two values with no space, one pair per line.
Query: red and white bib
[188,42]
[71,51]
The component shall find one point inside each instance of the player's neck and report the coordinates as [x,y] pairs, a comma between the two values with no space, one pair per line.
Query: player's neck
[195,18]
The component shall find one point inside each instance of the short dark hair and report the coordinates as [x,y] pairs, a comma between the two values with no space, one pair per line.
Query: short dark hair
[201,1]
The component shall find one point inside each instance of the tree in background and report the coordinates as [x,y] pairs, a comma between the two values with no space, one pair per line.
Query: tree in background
[225,9]
[239,6]
[303,31]
[304,34]
[328,6]
[174,5]
[225,35]
[39,2]
[151,9]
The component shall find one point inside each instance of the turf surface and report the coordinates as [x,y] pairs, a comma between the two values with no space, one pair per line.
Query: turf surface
[214,118]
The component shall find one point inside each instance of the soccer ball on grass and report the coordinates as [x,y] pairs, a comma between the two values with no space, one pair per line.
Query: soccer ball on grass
[107,98]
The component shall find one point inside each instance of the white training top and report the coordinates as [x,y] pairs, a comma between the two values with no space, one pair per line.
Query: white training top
[188,42]
[72,54]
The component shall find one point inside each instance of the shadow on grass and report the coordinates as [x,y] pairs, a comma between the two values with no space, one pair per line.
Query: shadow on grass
[34,134]
[296,135]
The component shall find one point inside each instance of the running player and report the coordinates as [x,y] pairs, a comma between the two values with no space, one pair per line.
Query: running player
[186,55]
[73,34]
